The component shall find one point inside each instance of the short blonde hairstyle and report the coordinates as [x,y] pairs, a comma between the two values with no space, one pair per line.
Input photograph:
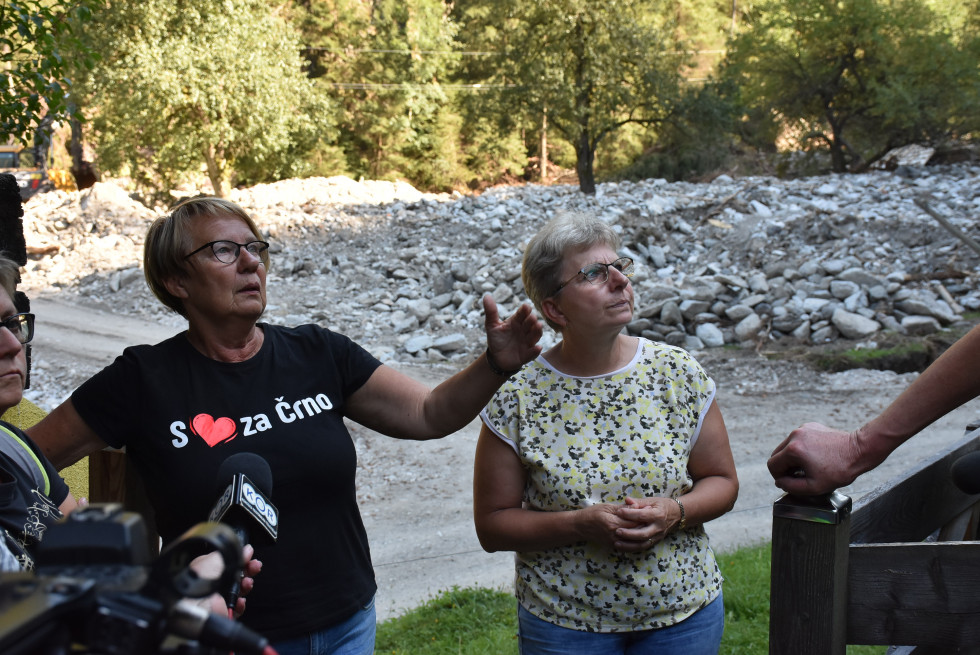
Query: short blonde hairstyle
[168,240]
[568,231]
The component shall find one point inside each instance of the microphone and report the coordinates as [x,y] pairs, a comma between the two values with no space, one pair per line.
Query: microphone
[244,505]
[966,473]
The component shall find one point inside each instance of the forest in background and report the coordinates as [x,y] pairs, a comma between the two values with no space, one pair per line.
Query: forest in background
[461,95]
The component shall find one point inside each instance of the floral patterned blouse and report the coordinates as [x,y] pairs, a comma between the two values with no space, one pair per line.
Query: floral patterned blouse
[601,439]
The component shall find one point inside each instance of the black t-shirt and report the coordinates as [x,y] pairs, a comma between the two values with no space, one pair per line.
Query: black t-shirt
[30,493]
[180,415]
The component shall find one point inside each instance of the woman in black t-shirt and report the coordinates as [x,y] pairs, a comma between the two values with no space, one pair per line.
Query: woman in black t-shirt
[230,384]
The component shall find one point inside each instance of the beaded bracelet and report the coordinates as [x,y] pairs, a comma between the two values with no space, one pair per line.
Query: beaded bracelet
[496,369]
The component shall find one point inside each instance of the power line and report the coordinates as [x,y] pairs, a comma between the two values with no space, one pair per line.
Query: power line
[414,85]
[357,51]
[459,87]
[468,53]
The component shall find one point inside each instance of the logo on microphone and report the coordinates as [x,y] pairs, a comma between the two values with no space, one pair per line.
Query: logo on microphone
[261,508]
[243,496]
[223,505]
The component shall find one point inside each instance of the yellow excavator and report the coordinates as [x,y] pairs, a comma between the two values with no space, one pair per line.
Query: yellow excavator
[32,177]
[19,161]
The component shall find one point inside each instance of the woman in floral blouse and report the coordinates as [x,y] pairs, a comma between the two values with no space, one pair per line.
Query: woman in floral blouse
[599,462]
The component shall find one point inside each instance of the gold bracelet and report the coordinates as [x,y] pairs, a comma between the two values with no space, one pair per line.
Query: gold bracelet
[683,522]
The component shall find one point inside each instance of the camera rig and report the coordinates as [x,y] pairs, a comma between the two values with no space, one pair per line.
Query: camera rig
[96,590]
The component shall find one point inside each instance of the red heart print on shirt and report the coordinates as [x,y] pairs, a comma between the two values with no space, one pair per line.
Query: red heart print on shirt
[214,432]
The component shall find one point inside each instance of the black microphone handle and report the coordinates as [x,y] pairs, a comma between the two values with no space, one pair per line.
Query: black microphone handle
[244,506]
[231,598]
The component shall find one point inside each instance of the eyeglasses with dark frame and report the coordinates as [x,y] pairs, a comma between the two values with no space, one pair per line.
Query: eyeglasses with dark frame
[598,272]
[227,252]
[21,326]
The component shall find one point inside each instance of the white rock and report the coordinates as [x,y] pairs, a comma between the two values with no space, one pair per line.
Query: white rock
[854,326]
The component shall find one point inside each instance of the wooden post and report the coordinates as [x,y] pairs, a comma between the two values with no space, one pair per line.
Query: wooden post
[113,480]
[808,592]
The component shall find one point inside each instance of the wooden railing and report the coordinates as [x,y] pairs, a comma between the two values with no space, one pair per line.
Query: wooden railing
[899,568]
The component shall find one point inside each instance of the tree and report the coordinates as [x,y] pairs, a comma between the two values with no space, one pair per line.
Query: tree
[34,34]
[966,31]
[859,77]
[593,67]
[496,123]
[192,85]
[386,63]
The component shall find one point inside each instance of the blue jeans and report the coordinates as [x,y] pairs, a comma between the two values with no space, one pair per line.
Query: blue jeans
[699,634]
[355,636]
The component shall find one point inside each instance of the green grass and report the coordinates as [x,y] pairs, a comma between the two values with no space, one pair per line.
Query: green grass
[903,358]
[746,573]
[868,356]
[464,621]
[475,621]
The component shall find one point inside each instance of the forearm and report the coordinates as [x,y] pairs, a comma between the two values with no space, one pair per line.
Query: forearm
[64,437]
[396,405]
[947,383]
[458,400]
[709,498]
[518,529]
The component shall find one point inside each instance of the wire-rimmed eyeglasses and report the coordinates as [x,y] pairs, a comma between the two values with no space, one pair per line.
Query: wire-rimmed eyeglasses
[21,326]
[598,272]
[227,252]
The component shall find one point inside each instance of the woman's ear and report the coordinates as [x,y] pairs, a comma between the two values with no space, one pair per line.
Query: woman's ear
[175,286]
[552,311]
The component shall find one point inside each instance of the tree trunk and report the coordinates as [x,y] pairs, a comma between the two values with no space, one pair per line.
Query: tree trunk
[75,145]
[837,157]
[584,154]
[83,171]
[584,157]
[42,142]
[544,146]
[214,171]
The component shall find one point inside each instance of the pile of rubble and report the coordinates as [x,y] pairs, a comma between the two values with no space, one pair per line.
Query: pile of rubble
[734,261]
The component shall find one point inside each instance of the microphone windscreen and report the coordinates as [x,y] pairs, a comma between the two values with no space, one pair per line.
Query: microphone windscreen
[966,473]
[253,466]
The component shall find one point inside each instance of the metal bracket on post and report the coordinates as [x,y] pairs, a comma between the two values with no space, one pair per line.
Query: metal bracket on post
[808,588]
[832,508]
